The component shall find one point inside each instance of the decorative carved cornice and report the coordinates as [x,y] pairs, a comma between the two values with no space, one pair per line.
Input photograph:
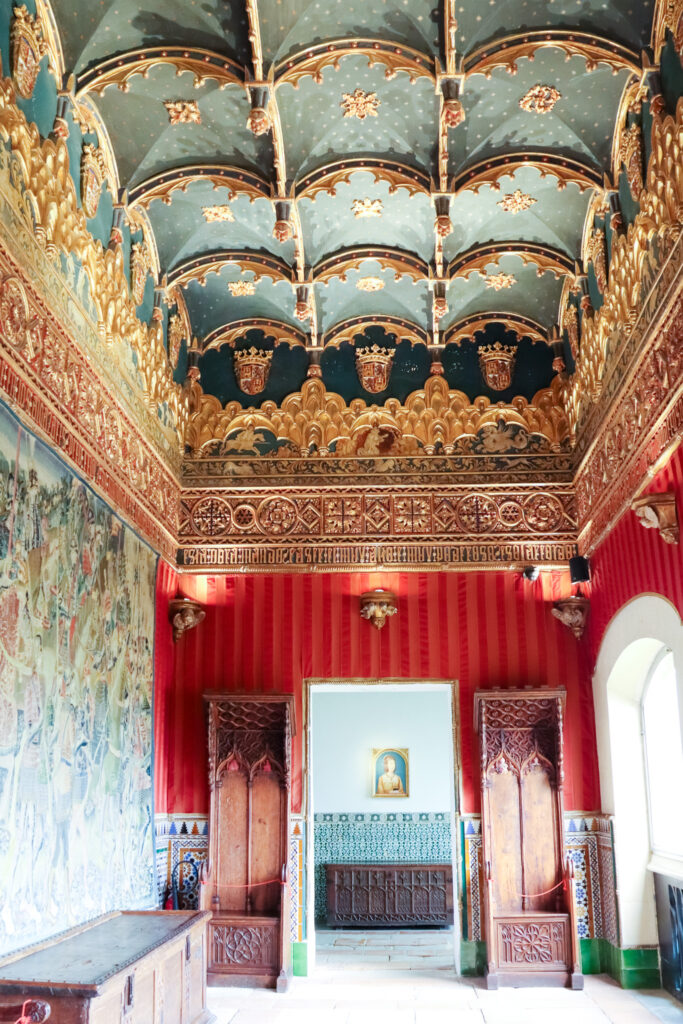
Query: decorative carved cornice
[635,258]
[545,257]
[45,196]
[523,327]
[198,268]
[567,171]
[203,65]
[315,419]
[326,178]
[668,15]
[394,56]
[234,179]
[228,334]
[401,262]
[506,51]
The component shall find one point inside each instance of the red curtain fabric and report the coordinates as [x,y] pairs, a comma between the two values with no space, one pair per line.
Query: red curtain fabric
[266,633]
[164,663]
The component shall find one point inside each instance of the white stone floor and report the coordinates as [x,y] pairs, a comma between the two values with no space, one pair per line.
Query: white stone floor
[394,977]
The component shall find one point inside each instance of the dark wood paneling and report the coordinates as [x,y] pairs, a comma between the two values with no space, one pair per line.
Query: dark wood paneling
[386,895]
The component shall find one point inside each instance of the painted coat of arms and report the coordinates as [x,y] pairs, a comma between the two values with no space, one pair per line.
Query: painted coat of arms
[92,177]
[252,366]
[28,47]
[497,363]
[373,365]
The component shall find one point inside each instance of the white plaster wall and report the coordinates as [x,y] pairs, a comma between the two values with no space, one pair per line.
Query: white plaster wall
[632,641]
[348,723]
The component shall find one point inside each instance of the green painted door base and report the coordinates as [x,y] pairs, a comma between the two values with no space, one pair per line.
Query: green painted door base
[632,968]
[300,959]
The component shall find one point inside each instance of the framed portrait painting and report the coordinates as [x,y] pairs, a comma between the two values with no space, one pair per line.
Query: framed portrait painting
[390,772]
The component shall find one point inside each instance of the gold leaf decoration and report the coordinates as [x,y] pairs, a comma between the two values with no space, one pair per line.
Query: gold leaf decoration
[359,104]
[370,284]
[183,111]
[540,99]
[516,202]
[367,207]
[214,214]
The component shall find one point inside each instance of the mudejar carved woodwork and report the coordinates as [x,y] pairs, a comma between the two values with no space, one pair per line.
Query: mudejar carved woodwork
[245,884]
[389,895]
[531,934]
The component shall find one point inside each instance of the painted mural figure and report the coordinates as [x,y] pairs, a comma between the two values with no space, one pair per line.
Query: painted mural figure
[76,615]
[389,783]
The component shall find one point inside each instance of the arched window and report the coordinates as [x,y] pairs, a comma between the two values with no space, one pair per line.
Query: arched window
[663,757]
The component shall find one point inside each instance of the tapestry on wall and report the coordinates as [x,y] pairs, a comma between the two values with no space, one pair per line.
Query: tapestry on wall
[76,644]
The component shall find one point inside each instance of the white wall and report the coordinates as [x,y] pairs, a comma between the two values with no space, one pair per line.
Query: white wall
[633,639]
[348,723]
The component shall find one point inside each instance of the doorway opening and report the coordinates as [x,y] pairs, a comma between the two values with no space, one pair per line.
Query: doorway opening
[382,803]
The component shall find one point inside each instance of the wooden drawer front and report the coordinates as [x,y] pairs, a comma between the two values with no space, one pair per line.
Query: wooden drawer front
[542,944]
[245,948]
[385,896]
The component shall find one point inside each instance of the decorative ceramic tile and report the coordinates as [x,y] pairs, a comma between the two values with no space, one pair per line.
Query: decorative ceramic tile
[182,843]
[297,887]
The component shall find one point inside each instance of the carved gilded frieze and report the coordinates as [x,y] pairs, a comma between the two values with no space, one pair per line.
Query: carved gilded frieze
[45,375]
[43,192]
[435,417]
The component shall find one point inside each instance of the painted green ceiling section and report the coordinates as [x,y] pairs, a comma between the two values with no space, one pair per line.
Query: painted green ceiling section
[92,30]
[362,202]
[317,132]
[146,143]
[291,25]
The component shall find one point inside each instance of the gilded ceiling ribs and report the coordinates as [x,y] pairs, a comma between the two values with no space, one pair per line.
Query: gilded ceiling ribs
[203,65]
[314,59]
[162,186]
[506,51]
[315,419]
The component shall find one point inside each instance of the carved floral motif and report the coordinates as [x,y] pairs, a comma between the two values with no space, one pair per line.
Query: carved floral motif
[499,281]
[240,289]
[367,207]
[214,214]
[516,202]
[183,112]
[540,99]
[360,104]
[369,284]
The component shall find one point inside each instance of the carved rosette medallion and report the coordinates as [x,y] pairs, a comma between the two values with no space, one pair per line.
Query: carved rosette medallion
[631,155]
[14,312]
[28,48]
[540,99]
[477,513]
[276,516]
[497,363]
[175,338]
[369,284]
[139,268]
[252,366]
[373,365]
[92,178]
[218,214]
[183,112]
[500,281]
[367,207]
[242,289]
[516,202]
[360,104]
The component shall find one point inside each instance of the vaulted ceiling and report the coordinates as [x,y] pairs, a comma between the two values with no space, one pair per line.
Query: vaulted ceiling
[409,152]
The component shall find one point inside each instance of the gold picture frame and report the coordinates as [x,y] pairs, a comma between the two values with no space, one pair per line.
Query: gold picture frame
[387,780]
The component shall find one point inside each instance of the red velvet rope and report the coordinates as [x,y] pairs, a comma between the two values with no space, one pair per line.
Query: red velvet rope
[534,895]
[235,885]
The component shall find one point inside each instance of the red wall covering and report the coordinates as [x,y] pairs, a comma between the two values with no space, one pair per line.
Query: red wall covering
[633,561]
[267,633]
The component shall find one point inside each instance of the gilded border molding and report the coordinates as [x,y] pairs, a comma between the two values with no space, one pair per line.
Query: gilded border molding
[314,59]
[201,64]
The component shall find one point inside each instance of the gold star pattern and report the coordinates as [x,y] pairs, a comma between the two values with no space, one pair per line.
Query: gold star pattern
[540,99]
[367,207]
[516,202]
[359,104]
[212,214]
[183,111]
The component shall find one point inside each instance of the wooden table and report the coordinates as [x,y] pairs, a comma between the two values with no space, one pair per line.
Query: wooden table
[389,895]
[137,967]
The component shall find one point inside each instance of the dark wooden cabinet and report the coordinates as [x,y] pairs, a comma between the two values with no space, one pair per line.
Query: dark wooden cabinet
[531,934]
[245,884]
[389,895]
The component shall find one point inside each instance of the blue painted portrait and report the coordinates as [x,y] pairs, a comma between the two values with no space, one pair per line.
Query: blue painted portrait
[390,772]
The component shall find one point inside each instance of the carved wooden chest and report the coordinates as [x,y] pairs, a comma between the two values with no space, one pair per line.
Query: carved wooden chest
[137,967]
[389,895]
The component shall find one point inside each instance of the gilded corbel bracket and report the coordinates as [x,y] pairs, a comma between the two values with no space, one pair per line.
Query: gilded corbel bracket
[658,512]
[184,614]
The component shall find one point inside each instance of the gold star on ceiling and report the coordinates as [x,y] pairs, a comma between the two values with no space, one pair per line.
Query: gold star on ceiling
[367,207]
[499,281]
[359,104]
[540,99]
[183,111]
[516,202]
[217,213]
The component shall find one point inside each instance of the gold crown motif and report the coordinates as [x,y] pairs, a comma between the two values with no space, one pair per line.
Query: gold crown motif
[497,351]
[261,356]
[374,354]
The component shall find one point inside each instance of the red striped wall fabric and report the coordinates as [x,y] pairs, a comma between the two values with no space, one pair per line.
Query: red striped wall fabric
[268,633]
[633,561]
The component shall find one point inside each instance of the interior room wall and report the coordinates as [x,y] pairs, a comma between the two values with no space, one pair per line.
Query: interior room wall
[76,669]
[266,633]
